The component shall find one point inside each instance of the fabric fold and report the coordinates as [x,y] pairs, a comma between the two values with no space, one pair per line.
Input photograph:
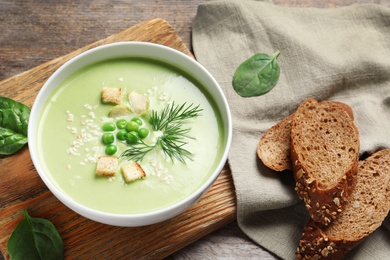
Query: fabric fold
[340,54]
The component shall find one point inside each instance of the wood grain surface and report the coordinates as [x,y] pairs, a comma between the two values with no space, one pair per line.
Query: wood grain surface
[32,34]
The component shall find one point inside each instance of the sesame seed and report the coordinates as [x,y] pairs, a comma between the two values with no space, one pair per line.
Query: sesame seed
[92,114]
[69,116]
[89,107]
[325,252]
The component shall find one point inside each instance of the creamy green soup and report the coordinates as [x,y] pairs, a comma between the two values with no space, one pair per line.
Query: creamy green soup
[70,130]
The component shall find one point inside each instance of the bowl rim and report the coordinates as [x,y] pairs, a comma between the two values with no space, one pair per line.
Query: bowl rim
[130,219]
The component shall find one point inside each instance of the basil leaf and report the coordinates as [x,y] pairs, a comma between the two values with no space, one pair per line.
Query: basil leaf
[13,125]
[257,75]
[35,238]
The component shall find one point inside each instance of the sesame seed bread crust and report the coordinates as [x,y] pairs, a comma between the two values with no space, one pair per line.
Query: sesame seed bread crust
[324,155]
[368,206]
[315,245]
[274,146]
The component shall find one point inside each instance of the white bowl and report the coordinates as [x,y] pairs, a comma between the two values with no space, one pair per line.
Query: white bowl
[138,49]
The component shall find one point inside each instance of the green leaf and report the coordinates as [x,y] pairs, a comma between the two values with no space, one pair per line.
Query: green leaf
[14,118]
[35,238]
[257,75]
[11,141]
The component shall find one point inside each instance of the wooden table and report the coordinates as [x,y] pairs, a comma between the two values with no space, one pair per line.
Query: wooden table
[34,32]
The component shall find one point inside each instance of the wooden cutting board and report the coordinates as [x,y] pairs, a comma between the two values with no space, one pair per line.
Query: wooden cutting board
[21,187]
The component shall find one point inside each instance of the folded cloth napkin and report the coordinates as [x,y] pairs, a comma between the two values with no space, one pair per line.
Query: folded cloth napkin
[338,54]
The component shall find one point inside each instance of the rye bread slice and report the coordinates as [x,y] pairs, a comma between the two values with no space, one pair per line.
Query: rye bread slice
[274,146]
[365,211]
[324,155]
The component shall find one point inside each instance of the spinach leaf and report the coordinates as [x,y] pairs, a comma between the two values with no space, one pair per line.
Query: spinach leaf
[257,75]
[10,141]
[35,238]
[13,125]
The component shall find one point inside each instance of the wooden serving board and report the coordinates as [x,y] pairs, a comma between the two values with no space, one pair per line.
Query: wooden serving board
[21,187]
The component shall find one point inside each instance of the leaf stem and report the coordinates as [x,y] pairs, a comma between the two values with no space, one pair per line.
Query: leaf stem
[276,54]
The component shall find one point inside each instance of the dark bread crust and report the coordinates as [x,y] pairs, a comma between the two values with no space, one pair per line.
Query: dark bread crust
[323,205]
[368,206]
[314,244]
[323,202]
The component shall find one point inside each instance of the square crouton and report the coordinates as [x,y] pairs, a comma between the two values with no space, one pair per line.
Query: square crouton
[132,172]
[112,95]
[107,166]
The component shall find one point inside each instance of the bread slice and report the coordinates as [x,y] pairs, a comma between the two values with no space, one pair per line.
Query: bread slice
[365,211]
[324,154]
[274,146]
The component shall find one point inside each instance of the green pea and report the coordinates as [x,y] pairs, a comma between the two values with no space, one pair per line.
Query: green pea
[132,126]
[132,137]
[121,135]
[108,138]
[111,149]
[121,123]
[143,132]
[137,120]
[108,127]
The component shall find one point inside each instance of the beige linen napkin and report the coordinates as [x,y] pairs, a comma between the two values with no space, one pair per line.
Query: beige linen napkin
[338,54]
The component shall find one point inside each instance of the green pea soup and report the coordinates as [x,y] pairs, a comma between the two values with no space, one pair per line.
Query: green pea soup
[70,130]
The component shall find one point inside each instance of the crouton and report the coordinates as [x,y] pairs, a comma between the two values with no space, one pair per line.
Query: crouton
[132,172]
[107,166]
[112,95]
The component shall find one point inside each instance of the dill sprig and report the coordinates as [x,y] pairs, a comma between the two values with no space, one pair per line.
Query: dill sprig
[173,136]
[138,151]
[171,114]
[172,142]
